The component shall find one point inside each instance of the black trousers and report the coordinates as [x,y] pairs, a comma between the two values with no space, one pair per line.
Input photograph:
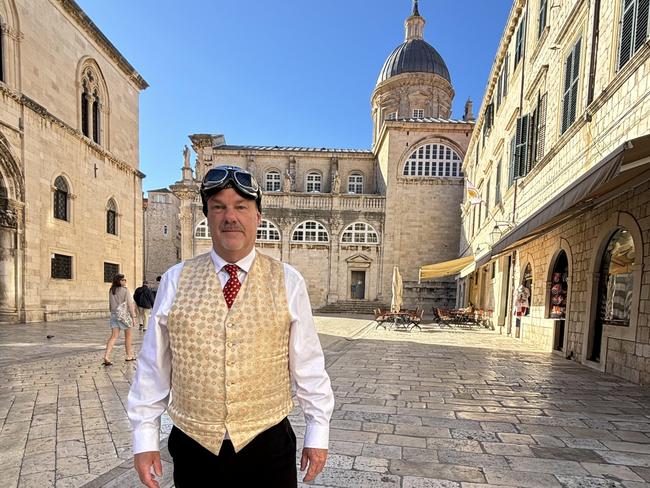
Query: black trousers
[268,461]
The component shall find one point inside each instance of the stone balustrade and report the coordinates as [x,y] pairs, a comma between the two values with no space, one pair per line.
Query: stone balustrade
[324,201]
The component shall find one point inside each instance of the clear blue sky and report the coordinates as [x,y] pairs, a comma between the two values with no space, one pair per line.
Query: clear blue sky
[287,73]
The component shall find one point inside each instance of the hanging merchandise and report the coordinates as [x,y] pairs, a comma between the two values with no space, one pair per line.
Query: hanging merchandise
[558,296]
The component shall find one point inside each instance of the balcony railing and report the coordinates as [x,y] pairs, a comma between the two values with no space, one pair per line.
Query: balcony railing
[324,201]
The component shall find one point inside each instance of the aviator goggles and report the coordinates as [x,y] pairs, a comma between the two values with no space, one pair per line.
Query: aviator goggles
[226,176]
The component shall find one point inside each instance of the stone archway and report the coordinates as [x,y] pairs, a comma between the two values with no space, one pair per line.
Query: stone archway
[11,232]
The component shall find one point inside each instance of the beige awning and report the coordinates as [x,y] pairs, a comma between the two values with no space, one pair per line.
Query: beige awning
[446,268]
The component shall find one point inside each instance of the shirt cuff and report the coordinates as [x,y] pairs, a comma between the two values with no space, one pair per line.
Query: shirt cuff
[317,436]
[146,440]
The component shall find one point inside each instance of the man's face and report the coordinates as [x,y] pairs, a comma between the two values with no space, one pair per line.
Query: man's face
[233,222]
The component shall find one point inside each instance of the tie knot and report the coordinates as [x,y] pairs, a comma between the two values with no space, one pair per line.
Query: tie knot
[231,269]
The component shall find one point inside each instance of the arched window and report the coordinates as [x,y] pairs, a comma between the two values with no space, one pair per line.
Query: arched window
[355,183]
[314,181]
[61,196]
[273,181]
[92,103]
[616,280]
[267,231]
[433,160]
[202,231]
[360,233]
[310,231]
[111,217]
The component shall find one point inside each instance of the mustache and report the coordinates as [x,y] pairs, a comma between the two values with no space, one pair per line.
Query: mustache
[231,228]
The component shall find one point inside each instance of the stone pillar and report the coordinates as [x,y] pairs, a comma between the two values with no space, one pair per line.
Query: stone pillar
[285,226]
[187,194]
[335,224]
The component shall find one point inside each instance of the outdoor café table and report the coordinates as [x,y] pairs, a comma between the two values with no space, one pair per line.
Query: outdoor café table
[399,320]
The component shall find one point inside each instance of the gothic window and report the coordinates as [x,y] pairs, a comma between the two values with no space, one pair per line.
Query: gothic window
[267,231]
[571,75]
[273,181]
[433,160]
[355,183]
[202,231]
[634,29]
[61,199]
[111,217]
[310,231]
[92,99]
[360,233]
[616,280]
[314,180]
[95,114]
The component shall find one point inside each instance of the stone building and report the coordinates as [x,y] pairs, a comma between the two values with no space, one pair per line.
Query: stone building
[560,157]
[70,188]
[344,217]
[162,246]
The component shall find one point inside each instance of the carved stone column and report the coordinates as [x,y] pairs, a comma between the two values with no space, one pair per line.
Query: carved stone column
[336,225]
[285,224]
[187,195]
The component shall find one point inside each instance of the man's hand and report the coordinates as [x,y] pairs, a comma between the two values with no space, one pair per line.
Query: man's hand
[316,459]
[143,461]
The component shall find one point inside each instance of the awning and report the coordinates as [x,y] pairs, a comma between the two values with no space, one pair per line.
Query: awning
[608,178]
[445,268]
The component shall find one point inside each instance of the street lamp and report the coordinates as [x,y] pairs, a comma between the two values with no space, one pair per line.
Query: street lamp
[496,230]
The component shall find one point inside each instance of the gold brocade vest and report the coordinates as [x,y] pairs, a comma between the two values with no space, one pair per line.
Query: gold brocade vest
[230,368]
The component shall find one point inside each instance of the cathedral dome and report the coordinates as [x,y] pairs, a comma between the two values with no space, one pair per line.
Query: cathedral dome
[414,56]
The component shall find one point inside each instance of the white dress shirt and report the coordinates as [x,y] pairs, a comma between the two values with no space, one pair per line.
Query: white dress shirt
[149,394]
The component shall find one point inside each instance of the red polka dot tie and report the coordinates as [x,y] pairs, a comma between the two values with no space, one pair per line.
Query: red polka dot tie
[232,285]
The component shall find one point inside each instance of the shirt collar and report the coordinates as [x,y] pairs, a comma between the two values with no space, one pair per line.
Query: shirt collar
[244,264]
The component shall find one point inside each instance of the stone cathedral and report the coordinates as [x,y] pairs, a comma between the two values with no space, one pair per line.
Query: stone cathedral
[345,218]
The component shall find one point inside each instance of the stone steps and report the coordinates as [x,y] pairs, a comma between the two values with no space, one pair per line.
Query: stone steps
[365,307]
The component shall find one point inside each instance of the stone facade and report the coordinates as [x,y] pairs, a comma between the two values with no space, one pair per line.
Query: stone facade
[70,187]
[162,232]
[586,93]
[371,212]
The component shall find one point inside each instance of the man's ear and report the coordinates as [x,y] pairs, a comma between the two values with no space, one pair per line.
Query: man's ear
[259,218]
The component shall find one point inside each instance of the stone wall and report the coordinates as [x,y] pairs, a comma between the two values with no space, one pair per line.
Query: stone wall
[162,249]
[41,139]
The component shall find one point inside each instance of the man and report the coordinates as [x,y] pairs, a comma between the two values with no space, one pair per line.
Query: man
[231,329]
[143,298]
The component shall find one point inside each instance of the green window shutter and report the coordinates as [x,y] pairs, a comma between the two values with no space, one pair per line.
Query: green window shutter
[627,32]
[541,127]
[641,27]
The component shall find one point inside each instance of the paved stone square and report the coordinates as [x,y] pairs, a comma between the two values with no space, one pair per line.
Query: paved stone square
[442,408]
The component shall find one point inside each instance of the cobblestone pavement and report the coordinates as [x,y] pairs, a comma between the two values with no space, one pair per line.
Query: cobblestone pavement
[442,408]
